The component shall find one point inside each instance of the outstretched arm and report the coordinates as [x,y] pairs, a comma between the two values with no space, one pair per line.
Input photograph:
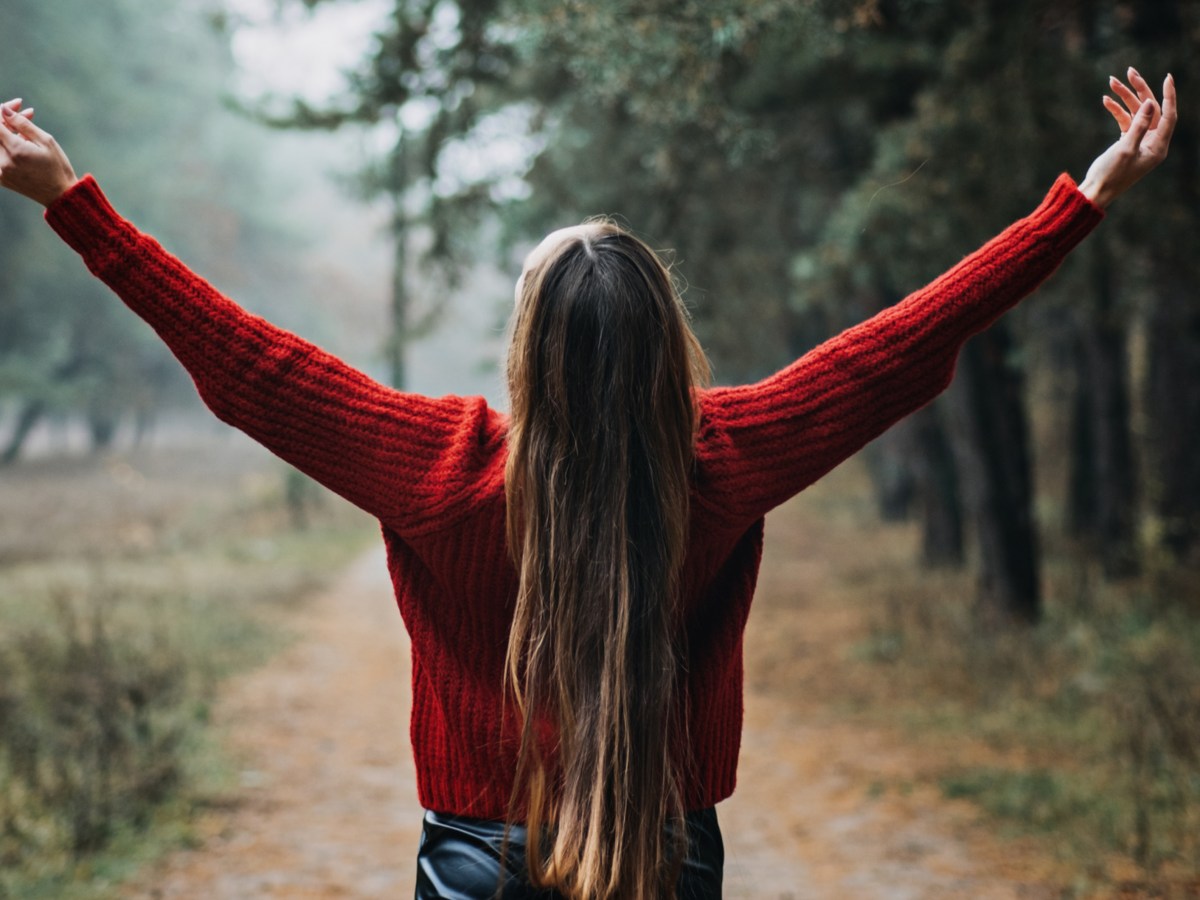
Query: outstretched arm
[407,459]
[761,444]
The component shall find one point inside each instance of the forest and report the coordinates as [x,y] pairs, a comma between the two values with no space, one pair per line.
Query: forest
[804,164]
[809,164]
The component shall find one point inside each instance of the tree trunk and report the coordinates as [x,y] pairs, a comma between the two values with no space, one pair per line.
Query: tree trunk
[399,337]
[1082,506]
[912,467]
[890,458]
[27,418]
[937,487]
[102,429]
[1103,479]
[1173,322]
[889,463]
[992,449]
[1173,410]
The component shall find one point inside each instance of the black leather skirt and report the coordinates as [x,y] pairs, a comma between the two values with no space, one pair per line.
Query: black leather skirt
[459,859]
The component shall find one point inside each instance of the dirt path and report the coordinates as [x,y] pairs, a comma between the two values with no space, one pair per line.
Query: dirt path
[329,802]
[329,805]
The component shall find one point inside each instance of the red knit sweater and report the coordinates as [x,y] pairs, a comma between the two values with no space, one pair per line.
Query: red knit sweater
[432,470]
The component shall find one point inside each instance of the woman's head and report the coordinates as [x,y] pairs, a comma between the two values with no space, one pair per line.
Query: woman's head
[595,304]
[602,370]
[553,242]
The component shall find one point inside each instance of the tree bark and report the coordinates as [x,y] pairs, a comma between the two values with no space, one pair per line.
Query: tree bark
[1172,391]
[938,491]
[991,446]
[913,470]
[398,187]
[27,418]
[889,463]
[1103,479]
[102,429]
[1173,410]
[1082,506]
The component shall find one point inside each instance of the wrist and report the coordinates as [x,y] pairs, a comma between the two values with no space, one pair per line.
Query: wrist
[60,187]
[1096,192]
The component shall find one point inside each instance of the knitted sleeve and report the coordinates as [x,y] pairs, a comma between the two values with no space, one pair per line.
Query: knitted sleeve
[760,444]
[405,458]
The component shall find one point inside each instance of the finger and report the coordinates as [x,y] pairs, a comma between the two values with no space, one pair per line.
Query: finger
[1128,97]
[9,141]
[1141,125]
[1144,91]
[1118,112]
[26,129]
[1138,83]
[13,105]
[1167,124]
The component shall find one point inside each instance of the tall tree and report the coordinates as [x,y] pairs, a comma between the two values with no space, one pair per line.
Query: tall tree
[1169,30]
[1103,489]
[444,63]
[109,83]
[808,163]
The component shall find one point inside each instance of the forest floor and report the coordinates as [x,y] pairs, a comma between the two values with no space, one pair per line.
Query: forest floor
[830,803]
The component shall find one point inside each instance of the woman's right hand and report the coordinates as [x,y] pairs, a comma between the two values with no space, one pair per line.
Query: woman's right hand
[31,162]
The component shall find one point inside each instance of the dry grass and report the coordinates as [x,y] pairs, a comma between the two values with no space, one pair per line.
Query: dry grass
[1083,733]
[129,586]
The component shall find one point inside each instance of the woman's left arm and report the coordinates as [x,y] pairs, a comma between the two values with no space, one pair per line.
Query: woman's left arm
[760,444]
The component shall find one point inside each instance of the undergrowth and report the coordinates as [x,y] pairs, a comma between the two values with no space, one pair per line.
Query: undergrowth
[109,664]
[94,725]
[1094,714]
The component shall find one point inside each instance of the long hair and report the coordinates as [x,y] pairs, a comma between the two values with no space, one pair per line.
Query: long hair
[601,374]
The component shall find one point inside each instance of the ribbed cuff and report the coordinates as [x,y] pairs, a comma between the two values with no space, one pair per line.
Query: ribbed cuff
[1066,211]
[82,216]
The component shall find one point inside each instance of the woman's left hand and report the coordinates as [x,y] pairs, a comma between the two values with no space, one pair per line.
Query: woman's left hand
[31,162]
[1145,135]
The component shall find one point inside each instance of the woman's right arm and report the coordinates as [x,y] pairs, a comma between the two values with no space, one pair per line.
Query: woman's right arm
[763,443]
[405,458]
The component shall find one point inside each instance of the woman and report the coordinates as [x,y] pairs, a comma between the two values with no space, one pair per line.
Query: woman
[576,576]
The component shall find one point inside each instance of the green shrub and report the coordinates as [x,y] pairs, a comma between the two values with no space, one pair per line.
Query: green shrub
[92,726]
[1155,708]
[1098,707]
[1037,800]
